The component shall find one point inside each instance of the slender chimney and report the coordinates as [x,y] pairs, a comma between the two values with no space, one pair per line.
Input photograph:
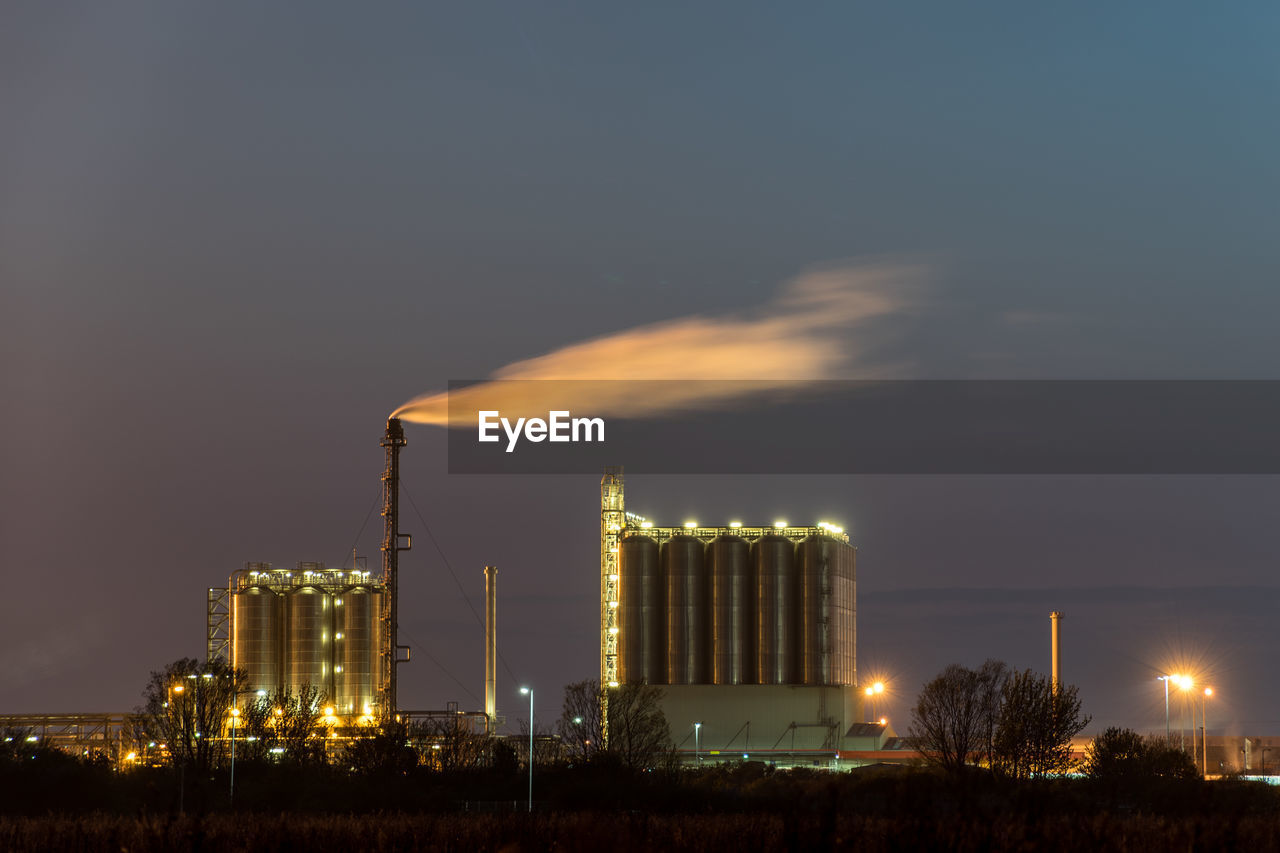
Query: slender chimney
[391,548]
[1055,618]
[491,647]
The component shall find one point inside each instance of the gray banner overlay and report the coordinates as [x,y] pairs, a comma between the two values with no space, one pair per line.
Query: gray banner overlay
[880,427]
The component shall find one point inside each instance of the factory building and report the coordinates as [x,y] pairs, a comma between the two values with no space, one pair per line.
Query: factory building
[750,632]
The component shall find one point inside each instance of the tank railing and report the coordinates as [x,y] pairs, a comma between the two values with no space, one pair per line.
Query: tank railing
[706,534]
[333,580]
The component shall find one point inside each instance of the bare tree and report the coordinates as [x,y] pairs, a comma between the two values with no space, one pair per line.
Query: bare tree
[638,734]
[954,717]
[385,751]
[453,743]
[186,706]
[581,723]
[283,723]
[1035,726]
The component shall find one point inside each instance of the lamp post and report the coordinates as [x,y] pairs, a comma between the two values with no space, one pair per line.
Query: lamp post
[529,691]
[1165,679]
[1204,728]
[182,765]
[697,743]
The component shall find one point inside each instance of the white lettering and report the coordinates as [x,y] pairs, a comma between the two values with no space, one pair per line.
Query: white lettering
[587,424]
[487,424]
[560,426]
[512,434]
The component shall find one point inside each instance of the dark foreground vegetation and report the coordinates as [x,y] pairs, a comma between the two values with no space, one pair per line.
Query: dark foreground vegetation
[69,805]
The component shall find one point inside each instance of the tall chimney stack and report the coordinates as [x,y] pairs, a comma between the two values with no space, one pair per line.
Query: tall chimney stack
[393,440]
[491,647]
[1055,618]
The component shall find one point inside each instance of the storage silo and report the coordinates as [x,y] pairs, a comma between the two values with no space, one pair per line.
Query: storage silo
[773,560]
[356,649]
[732,611]
[826,593]
[688,634]
[641,621]
[309,658]
[256,637]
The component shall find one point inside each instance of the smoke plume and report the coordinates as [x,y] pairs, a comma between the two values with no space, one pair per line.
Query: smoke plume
[809,332]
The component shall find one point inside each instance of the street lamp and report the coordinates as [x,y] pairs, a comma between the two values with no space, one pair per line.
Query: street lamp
[872,691]
[529,691]
[1183,681]
[697,743]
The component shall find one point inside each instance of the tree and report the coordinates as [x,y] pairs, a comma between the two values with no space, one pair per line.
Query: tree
[455,744]
[187,705]
[954,718]
[1035,725]
[387,751]
[581,723]
[283,723]
[1124,756]
[638,734]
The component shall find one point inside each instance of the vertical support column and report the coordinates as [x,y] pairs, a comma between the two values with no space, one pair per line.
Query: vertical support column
[1055,619]
[491,648]
[393,440]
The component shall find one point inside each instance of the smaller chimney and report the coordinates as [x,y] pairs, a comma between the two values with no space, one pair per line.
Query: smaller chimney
[1055,618]
[491,647]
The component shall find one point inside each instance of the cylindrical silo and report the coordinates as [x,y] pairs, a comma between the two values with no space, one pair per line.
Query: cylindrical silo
[814,559]
[310,630]
[773,564]
[732,598]
[641,621]
[356,635]
[256,637]
[827,572]
[688,634]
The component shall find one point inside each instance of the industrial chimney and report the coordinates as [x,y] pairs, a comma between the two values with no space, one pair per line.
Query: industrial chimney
[1055,619]
[491,647]
[393,440]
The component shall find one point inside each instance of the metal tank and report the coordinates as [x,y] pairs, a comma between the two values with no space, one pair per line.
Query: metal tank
[356,646]
[826,590]
[641,620]
[732,604]
[309,652]
[688,634]
[773,566]
[256,636]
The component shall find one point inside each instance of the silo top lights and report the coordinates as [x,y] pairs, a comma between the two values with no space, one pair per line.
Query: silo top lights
[735,524]
[690,525]
[780,524]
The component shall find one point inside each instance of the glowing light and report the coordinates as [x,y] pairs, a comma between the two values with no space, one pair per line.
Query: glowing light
[690,525]
[646,524]
[613,630]
[133,756]
[328,712]
[1208,691]
[735,524]
[613,684]
[884,721]
[613,604]
[780,524]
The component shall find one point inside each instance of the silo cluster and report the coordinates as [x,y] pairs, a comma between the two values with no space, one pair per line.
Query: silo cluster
[736,610]
[312,625]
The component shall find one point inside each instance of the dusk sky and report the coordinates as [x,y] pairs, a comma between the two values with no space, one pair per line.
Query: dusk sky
[233,239]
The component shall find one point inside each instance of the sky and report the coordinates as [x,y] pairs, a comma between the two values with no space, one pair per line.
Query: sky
[235,236]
